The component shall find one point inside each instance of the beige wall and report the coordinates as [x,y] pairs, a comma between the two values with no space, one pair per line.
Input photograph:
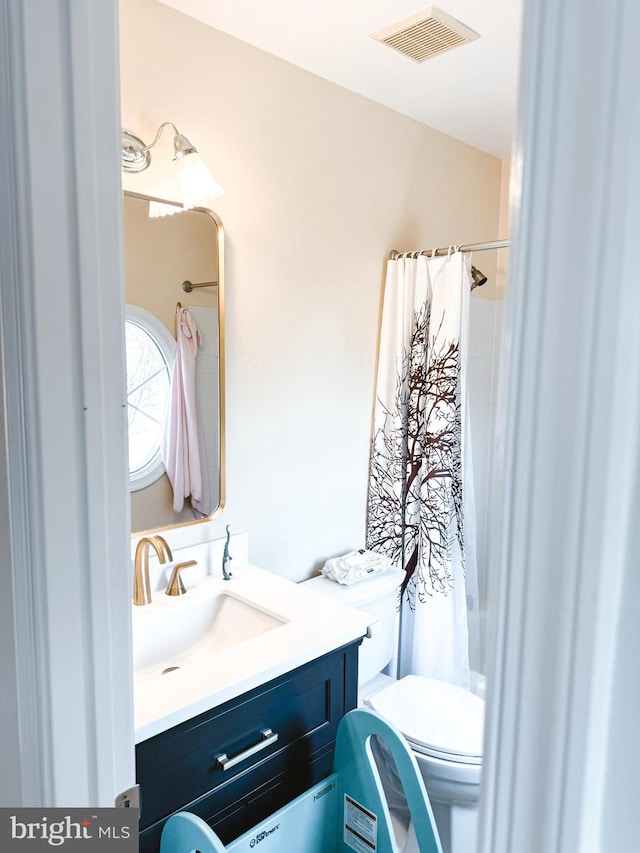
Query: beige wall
[320,185]
[159,254]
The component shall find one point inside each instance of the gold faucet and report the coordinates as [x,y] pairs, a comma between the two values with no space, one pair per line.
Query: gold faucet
[141,586]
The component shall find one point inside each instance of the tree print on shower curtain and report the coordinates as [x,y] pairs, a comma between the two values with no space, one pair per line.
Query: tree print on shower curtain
[425,464]
[416,502]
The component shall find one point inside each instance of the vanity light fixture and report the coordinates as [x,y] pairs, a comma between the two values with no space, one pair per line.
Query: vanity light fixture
[197,182]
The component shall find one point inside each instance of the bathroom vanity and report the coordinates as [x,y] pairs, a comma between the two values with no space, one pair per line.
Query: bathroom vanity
[286,730]
[239,688]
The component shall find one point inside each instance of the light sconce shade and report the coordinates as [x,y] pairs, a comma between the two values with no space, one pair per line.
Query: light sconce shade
[197,182]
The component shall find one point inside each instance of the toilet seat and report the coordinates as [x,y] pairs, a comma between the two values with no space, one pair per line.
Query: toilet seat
[438,719]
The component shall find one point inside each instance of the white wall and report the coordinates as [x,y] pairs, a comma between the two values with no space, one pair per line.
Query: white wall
[320,185]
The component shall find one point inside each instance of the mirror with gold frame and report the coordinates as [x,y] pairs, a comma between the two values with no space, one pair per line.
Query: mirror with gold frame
[163,255]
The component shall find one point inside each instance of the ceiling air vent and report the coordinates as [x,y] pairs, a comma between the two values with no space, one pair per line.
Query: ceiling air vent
[425,34]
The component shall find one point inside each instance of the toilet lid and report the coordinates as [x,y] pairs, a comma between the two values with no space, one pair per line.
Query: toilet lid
[437,718]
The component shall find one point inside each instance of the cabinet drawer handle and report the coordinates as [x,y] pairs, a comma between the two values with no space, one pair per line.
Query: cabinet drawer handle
[267,737]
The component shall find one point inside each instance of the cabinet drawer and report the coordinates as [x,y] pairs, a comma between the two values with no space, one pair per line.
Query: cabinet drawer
[232,810]
[302,708]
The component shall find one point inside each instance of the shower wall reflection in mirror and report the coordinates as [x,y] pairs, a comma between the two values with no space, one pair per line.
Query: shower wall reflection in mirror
[160,254]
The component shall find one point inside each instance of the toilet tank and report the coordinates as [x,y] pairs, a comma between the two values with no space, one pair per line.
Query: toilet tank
[378,596]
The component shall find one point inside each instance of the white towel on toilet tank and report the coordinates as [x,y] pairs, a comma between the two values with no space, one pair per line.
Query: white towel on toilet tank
[355,566]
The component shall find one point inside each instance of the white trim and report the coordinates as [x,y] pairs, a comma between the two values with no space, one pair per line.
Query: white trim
[571,437]
[20,721]
[61,325]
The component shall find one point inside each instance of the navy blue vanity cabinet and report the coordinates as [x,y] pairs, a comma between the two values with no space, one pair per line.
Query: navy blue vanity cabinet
[179,768]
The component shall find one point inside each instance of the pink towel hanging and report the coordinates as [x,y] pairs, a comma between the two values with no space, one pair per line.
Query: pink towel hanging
[183,451]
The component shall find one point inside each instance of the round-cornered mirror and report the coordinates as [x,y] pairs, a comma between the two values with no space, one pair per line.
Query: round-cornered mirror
[160,254]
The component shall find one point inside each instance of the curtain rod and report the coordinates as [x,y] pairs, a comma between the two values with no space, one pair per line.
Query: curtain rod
[467,247]
[188,286]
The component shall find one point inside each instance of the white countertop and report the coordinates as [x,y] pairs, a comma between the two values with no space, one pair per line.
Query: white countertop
[315,625]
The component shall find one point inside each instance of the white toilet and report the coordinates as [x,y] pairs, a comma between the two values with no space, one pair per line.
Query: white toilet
[442,724]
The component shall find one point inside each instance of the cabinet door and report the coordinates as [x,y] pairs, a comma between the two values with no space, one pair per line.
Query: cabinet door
[182,768]
[231,810]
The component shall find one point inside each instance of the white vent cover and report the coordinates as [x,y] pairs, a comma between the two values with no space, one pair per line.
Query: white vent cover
[425,34]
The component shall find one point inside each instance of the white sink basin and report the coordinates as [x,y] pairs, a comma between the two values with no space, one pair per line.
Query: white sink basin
[189,627]
[195,651]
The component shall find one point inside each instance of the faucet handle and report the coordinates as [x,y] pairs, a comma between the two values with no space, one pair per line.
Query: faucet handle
[176,584]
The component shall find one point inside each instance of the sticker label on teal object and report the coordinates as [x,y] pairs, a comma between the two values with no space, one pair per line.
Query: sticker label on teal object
[360,827]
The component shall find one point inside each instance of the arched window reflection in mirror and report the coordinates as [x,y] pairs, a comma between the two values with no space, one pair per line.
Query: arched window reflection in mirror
[150,352]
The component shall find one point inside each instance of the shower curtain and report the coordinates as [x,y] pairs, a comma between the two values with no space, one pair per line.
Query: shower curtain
[420,504]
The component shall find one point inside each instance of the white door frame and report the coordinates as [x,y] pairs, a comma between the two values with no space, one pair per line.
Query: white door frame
[571,440]
[67,711]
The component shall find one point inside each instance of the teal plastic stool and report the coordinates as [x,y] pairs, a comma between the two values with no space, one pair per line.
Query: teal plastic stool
[347,811]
